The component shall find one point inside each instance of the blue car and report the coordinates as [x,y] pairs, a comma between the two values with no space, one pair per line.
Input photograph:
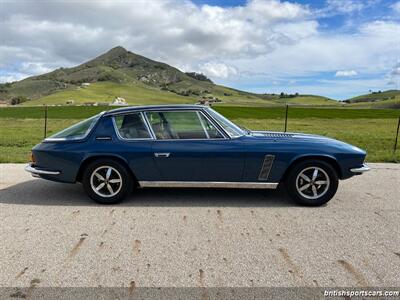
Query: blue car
[191,146]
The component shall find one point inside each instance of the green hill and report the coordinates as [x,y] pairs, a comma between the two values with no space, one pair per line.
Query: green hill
[118,66]
[137,79]
[386,99]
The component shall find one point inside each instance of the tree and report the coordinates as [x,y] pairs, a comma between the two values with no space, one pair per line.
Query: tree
[198,76]
[18,100]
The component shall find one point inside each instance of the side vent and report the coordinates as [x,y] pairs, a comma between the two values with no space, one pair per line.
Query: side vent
[266,167]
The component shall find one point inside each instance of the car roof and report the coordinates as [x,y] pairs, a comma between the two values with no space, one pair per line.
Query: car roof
[153,107]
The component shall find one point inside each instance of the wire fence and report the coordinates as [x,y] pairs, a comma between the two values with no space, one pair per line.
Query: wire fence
[397,137]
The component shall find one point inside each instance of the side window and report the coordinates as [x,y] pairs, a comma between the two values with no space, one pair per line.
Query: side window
[180,125]
[77,131]
[132,126]
[210,129]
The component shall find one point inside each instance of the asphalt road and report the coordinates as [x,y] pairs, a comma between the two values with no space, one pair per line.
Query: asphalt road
[52,235]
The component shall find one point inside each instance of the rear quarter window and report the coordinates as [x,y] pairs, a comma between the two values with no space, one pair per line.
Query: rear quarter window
[77,131]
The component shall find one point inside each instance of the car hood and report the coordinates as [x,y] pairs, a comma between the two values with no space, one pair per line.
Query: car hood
[305,138]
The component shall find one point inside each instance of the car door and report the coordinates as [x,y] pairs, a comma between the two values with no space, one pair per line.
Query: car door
[190,147]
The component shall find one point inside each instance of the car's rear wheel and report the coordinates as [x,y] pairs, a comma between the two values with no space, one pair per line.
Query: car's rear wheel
[312,182]
[107,181]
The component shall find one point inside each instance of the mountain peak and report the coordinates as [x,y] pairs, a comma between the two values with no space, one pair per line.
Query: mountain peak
[115,56]
[117,65]
[117,50]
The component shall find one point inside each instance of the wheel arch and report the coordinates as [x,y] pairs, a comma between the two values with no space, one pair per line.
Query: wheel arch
[326,158]
[92,158]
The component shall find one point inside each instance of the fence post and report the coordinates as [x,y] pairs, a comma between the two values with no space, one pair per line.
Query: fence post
[45,121]
[397,136]
[286,115]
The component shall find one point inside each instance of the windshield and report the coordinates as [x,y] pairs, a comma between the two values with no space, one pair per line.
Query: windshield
[232,129]
[77,131]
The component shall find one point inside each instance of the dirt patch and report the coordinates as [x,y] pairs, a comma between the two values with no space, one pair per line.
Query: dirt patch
[353,272]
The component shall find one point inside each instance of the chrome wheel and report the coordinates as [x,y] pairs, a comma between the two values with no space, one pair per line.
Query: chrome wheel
[312,183]
[106,181]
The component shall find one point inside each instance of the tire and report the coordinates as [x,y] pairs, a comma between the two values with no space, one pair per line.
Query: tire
[112,186]
[306,189]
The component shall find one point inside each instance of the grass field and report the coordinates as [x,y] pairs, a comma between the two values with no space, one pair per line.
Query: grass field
[234,112]
[140,93]
[373,130]
[105,92]
[18,136]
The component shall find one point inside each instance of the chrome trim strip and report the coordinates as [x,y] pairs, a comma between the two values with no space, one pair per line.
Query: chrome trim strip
[146,108]
[212,121]
[205,110]
[362,169]
[209,184]
[148,125]
[35,171]
[202,125]
[216,124]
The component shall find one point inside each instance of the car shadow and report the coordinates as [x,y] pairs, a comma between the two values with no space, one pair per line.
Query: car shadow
[41,192]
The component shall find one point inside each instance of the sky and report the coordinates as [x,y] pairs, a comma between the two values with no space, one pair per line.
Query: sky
[334,48]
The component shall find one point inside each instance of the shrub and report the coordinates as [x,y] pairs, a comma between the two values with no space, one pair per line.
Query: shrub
[18,100]
[198,76]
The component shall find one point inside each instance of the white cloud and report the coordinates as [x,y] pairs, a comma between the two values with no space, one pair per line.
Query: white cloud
[396,70]
[11,77]
[177,32]
[337,89]
[35,68]
[218,70]
[274,10]
[346,73]
[372,50]
[345,6]
[396,7]
[256,43]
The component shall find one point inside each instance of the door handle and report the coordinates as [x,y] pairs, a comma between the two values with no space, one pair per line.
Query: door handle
[103,138]
[162,154]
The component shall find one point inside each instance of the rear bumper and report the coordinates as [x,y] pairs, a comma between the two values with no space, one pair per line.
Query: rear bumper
[362,169]
[37,171]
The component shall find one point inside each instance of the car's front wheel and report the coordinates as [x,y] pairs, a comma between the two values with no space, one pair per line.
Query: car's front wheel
[107,181]
[312,182]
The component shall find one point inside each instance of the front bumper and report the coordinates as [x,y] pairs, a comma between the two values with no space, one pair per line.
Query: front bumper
[37,171]
[360,170]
